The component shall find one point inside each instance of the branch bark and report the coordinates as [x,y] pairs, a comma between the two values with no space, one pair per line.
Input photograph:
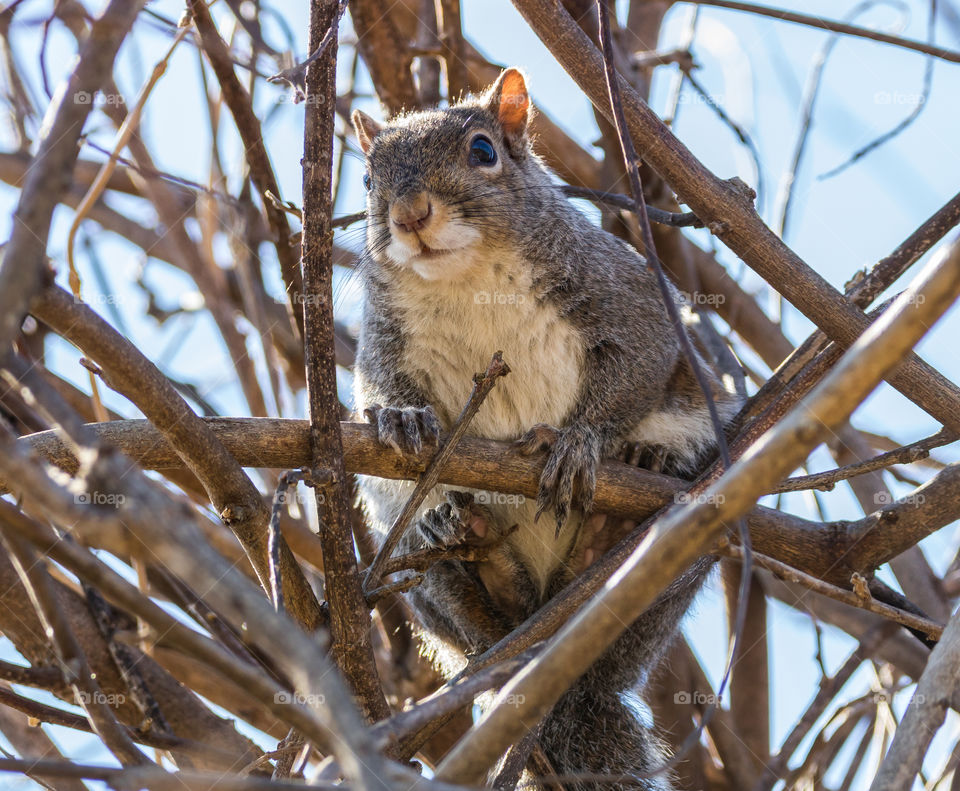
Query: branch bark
[351,645]
[831,551]
[936,693]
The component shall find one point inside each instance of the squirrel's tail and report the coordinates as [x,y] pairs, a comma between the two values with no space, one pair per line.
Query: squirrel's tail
[593,730]
[592,737]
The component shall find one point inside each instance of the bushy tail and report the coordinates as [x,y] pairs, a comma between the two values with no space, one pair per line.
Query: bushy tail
[592,730]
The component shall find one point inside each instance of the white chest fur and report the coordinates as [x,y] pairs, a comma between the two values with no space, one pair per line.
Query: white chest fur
[452,328]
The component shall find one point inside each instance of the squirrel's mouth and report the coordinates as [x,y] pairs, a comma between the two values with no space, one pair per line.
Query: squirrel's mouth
[431,252]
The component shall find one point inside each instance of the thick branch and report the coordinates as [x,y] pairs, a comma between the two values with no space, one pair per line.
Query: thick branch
[830,551]
[351,646]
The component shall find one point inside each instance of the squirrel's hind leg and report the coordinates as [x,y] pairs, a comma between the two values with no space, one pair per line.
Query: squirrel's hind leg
[471,604]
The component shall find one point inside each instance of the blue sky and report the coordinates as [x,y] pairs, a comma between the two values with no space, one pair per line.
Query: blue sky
[755,67]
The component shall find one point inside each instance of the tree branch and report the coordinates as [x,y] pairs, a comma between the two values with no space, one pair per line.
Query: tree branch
[836,27]
[127,370]
[23,271]
[351,646]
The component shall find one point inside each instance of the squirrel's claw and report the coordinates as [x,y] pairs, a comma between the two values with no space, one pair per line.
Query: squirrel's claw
[460,520]
[571,469]
[655,458]
[404,429]
[541,437]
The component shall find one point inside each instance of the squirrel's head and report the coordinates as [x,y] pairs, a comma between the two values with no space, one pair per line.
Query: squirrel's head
[442,182]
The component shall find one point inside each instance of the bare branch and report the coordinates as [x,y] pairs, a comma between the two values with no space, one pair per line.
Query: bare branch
[836,27]
[936,693]
[23,270]
[482,385]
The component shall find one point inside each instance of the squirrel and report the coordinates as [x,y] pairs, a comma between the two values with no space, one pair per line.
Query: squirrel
[472,248]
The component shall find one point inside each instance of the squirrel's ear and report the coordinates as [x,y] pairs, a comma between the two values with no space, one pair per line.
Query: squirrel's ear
[366,129]
[509,101]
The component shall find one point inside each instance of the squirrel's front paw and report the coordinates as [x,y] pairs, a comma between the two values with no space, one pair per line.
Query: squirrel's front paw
[573,461]
[460,520]
[406,428]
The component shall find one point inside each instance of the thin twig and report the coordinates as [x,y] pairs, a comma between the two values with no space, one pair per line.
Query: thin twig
[825,481]
[836,27]
[810,93]
[482,385]
[296,76]
[659,216]
[862,600]
[921,103]
[288,479]
[676,219]
[742,135]
[632,163]
[401,585]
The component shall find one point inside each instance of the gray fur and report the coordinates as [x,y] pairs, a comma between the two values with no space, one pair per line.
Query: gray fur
[581,322]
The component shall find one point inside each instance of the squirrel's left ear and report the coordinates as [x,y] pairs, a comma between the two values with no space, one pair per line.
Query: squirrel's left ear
[366,129]
[509,102]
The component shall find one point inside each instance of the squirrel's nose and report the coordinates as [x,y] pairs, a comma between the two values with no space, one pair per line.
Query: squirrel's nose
[411,214]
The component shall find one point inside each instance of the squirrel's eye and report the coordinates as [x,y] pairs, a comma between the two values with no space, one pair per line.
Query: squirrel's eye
[482,151]
[367,183]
